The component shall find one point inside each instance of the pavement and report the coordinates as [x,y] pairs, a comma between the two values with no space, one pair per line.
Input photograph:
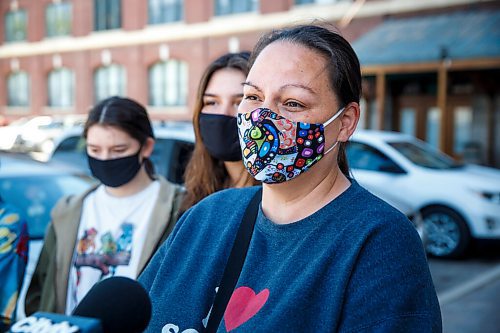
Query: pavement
[477,311]
[469,293]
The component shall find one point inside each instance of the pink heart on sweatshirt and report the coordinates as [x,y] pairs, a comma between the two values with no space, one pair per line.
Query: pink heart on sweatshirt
[243,305]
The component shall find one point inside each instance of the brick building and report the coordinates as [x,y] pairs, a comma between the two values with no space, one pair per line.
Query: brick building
[61,56]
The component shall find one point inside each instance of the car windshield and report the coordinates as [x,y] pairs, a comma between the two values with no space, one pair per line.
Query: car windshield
[35,196]
[424,156]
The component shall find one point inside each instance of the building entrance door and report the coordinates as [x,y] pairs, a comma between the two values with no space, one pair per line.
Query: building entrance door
[418,116]
[470,128]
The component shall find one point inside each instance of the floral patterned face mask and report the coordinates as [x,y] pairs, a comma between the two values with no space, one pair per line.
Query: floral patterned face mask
[276,149]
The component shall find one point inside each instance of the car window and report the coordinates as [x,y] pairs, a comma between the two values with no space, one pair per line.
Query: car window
[35,196]
[365,157]
[52,125]
[170,158]
[424,156]
[70,144]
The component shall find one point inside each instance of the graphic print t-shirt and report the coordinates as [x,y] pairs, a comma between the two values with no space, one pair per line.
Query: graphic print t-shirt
[110,239]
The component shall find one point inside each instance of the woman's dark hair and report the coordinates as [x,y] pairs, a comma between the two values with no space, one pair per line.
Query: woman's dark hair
[127,115]
[205,174]
[341,62]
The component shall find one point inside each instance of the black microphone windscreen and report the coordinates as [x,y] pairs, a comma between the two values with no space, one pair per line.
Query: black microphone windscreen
[121,304]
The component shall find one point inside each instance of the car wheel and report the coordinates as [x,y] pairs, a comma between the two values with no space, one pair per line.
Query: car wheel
[447,234]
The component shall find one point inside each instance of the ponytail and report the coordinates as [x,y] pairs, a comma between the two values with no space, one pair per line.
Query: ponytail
[342,159]
[150,168]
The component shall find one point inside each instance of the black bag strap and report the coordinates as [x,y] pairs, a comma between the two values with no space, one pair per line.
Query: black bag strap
[234,263]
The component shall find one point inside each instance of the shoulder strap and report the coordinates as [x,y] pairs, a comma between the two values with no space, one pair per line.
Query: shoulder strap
[234,263]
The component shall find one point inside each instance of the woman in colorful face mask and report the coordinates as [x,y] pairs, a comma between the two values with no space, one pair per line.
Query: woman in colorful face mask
[114,228]
[216,160]
[325,255]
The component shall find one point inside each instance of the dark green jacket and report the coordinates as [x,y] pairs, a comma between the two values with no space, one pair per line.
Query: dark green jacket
[49,285]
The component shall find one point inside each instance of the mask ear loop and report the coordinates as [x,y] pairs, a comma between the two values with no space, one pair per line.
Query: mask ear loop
[335,116]
[328,122]
[331,148]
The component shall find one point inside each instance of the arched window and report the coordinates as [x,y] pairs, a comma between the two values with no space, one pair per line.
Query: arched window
[168,83]
[58,19]
[15,25]
[18,89]
[109,81]
[164,11]
[61,87]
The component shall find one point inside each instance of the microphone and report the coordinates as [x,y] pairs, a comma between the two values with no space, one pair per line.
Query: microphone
[121,304]
[115,305]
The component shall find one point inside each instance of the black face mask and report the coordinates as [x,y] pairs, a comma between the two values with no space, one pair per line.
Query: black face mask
[220,135]
[115,172]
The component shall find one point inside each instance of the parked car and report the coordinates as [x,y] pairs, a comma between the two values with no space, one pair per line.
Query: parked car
[458,202]
[174,144]
[38,135]
[34,188]
[9,134]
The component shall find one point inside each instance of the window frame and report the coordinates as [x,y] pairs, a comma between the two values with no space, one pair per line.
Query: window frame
[62,11]
[160,92]
[160,16]
[251,6]
[114,84]
[9,32]
[107,15]
[63,77]
[14,89]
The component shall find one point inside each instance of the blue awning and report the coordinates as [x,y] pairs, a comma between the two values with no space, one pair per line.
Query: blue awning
[459,35]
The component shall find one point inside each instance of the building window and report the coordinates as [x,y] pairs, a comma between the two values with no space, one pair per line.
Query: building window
[319,2]
[61,87]
[168,83]
[225,7]
[109,81]
[164,11]
[15,26]
[58,19]
[18,89]
[107,14]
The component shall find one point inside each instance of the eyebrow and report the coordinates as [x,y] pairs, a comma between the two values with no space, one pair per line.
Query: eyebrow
[113,147]
[215,95]
[248,83]
[295,85]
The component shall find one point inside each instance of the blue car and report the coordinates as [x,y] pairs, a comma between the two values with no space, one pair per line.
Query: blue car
[34,188]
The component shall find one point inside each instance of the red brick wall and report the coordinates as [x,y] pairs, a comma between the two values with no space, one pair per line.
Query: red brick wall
[134,14]
[83,19]
[273,6]
[198,11]
[136,59]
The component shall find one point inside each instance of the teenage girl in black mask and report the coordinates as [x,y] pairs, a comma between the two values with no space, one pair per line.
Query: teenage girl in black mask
[113,229]
[216,162]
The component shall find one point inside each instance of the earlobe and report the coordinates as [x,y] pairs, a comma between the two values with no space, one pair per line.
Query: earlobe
[349,121]
[147,148]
